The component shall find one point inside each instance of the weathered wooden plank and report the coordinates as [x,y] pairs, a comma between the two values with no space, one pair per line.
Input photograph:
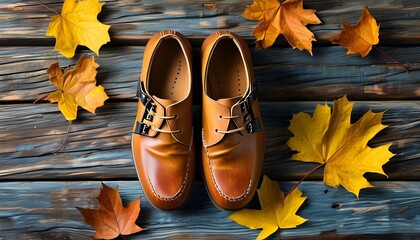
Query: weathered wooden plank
[281,73]
[99,146]
[46,210]
[23,71]
[134,20]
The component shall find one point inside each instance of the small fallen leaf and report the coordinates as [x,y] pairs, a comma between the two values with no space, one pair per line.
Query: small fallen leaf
[209,5]
[331,140]
[76,87]
[112,219]
[77,24]
[361,37]
[276,210]
[287,18]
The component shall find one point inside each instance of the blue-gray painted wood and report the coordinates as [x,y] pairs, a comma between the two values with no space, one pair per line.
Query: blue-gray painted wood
[46,210]
[281,73]
[38,190]
[99,146]
[137,20]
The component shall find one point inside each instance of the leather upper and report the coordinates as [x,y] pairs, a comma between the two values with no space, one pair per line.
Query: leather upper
[162,139]
[233,137]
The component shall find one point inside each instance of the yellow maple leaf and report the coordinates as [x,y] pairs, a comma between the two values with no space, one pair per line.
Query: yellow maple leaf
[276,210]
[287,18]
[76,87]
[332,140]
[361,37]
[77,24]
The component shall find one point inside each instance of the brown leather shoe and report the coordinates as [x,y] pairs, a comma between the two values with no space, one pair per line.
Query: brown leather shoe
[162,139]
[233,137]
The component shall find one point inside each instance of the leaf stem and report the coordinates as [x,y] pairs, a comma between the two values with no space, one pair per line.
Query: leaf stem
[40,98]
[40,3]
[390,57]
[123,237]
[65,139]
[303,178]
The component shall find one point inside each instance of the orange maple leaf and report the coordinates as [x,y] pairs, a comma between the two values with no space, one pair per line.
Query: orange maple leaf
[76,87]
[361,37]
[112,219]
[287,18]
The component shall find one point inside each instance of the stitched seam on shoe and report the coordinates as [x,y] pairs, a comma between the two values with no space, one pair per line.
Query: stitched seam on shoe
[236,199]
[184,183]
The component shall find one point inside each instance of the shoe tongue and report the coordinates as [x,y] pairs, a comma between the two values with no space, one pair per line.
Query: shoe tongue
[229,102]
[164,102]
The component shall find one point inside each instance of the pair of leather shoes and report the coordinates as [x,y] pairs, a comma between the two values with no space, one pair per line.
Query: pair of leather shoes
[232,133]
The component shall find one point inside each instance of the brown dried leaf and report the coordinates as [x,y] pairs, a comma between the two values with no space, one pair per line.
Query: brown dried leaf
[112,219]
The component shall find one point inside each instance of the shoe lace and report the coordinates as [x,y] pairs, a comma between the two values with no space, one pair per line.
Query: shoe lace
[163,118]
[232,130]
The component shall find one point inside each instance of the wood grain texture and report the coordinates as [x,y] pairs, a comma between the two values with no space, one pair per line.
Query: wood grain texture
[39,191]
[138,20]
[46,210]
[281,73]
[99,146]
